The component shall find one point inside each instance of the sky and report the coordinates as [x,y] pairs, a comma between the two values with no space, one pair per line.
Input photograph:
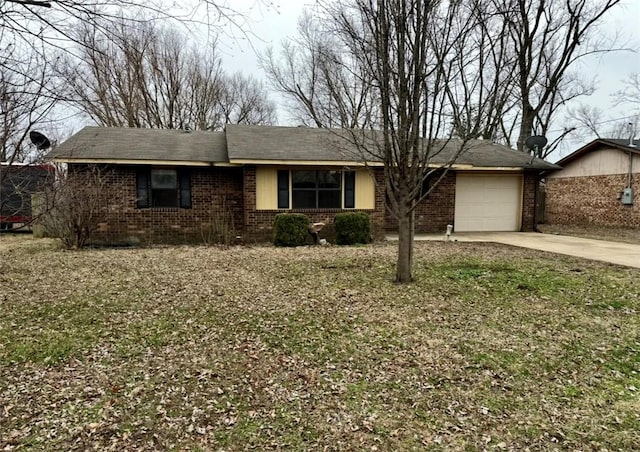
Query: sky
[272,21]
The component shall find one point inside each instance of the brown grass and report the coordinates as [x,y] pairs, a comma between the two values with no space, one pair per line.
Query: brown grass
[315,348]
[611,233]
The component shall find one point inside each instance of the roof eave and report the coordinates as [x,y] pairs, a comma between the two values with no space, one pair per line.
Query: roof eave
[303,162]
[138,162]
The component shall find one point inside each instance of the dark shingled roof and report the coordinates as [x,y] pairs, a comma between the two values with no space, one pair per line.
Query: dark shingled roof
[243,143]
[268,143]
[121,143]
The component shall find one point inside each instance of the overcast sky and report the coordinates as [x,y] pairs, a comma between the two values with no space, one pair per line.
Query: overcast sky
[271,24]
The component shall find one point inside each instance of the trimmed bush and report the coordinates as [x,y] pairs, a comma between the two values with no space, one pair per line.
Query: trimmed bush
[352,228]
[290,229]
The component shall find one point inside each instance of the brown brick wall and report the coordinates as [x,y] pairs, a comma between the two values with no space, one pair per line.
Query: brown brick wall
[258,224]
[529,200]
[435,212]
[592,200]
[213,190]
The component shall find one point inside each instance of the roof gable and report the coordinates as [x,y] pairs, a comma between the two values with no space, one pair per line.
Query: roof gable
[597,144]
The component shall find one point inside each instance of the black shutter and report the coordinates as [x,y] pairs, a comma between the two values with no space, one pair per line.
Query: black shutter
[283,189]
[349,189]
[185,189]
[142,189]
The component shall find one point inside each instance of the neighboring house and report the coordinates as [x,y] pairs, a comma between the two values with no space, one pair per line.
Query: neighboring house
[172,185]
[18,183]
[598,184]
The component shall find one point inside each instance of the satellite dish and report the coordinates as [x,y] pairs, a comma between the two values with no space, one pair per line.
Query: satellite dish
[535,142]
[39,140]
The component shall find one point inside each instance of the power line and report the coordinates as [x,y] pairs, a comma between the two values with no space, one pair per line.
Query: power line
[581,126]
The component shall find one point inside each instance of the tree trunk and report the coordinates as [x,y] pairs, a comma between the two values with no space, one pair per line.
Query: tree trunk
[526,128]
[405,249]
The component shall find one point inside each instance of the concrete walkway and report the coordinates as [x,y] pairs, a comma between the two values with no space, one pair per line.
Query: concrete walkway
[599,250]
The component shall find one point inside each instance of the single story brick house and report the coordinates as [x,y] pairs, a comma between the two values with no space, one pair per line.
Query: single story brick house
[598,184]
[171,185]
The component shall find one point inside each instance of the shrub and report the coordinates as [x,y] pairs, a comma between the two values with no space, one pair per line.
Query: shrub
[290,229]
[219,229]
[352,228]
[72,208]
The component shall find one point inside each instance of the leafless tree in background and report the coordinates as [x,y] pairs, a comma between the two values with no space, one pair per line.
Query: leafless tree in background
[323,77]
[145,76]
[547,39]
[28,95]
[38,31]
[484,84]
[595,121]
[523,72]
[588,118]
[629,95]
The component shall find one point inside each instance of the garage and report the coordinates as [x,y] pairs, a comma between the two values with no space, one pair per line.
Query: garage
[488,202]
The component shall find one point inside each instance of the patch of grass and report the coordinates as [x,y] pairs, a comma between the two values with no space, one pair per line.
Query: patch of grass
[201,348]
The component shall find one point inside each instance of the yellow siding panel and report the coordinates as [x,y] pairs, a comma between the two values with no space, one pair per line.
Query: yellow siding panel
[266,188]
[365,190]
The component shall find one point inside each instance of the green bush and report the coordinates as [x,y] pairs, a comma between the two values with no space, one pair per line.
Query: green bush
[352,228]
[290,229]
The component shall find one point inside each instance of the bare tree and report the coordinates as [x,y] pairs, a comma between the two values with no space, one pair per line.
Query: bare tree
[629,95]
[243,100]
[484,90]
[547,39]
[587,118]
[408,50]
[72,208]
[145,76]
[322,77]
[593,121]
[28,95]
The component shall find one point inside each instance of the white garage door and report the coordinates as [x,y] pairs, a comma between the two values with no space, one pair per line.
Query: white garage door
[488,202]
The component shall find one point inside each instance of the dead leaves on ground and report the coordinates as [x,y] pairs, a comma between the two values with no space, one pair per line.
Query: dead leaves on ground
[315,348]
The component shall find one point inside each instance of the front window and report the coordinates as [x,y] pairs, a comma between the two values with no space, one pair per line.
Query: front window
[164,188]
[316,189]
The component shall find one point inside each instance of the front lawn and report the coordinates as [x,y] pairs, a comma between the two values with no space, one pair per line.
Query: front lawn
[311,348]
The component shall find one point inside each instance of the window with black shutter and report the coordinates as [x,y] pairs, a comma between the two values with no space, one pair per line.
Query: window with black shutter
[163,187]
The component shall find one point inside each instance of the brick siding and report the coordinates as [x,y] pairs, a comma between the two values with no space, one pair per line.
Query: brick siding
[592,200]
[435,212]
[213,190]
[529,202]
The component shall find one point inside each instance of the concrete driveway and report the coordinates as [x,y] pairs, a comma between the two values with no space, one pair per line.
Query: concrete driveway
[599,250]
